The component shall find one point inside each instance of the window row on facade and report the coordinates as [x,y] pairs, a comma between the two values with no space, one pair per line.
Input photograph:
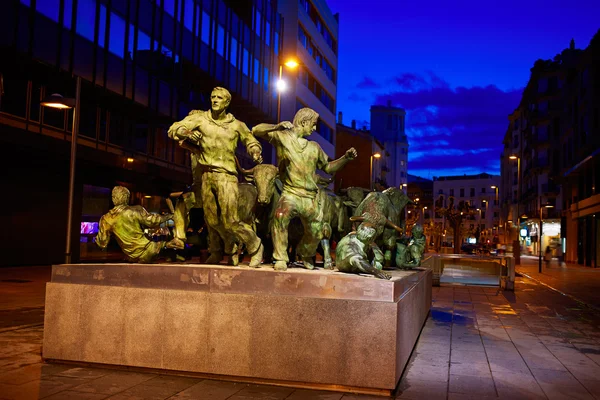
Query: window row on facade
[212,39]
[312,12]
[307,43]
[316,88]
[103,122]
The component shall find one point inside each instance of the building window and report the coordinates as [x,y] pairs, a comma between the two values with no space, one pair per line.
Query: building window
[325,131]
[472,192]
[205,28]
[188,14]
[86,19]
[102,26]
[220,40]
[49,8]
[462,192]
[233,48]
[245,62]
[482,190]
[451,192]
[117,33]
[256,70]
[170,7]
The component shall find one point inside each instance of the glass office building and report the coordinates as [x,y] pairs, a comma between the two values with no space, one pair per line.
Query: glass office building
[144,64]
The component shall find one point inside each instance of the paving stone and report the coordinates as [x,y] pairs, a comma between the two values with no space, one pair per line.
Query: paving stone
[470,369]
[143,392]
[472,385]
[71,395]
[210,390]
[262,392]
[420,389]
[91,373]
[173,382]
[427,373]
[592,386]
[461,356]
[585,373]
[434,359]
[113,383]
[509,365]
[305,394]
[558,391]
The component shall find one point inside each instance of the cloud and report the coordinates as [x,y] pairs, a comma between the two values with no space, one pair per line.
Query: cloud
[356,97]
[457,130]
[368,83]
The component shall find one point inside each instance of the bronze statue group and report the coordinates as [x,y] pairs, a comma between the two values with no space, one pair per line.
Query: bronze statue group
[212,137]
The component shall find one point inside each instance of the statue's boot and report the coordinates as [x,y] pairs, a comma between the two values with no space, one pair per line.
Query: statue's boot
[234,259]
[257,257]
[308,262]
[280,266]
[214,258]
[176,244]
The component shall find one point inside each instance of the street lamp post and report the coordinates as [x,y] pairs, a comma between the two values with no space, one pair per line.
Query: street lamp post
[496,194]
[540,239]
[281,85]
[423,214]
[59,102]
[374,155]
[517,242]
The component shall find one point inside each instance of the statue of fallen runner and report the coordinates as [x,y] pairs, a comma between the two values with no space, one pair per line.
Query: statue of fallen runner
[127,224]
[353,251]
[409,255]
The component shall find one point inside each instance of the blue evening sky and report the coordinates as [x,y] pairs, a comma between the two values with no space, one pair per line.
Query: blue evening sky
[457,67]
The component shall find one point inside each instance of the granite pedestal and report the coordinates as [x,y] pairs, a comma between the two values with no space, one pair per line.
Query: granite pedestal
[300,328]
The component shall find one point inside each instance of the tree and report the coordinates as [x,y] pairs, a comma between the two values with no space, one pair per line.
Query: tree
[455,215]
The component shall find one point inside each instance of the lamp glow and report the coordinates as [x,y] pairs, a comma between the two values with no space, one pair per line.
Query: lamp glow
[291,63]
[55,100]
[129,159]
[377,155]
[281,85]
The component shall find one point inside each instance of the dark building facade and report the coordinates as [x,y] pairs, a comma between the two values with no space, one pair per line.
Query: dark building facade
[369,169]
[144,64]
[553,138]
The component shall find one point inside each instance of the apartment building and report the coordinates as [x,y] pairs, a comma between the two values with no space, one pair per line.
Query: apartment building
[310,37]
[388,126]
[550,160]
[481,192]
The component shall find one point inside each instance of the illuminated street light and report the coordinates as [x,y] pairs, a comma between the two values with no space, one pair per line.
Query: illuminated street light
[59,102]
[374,155]
[281,85]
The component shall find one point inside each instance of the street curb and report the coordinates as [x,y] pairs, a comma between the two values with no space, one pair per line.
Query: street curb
[558,291]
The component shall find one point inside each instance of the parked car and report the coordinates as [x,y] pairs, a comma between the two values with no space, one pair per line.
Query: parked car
[469,248]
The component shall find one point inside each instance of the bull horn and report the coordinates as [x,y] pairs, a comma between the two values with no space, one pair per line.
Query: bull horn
[357,218]
[244,172]
[395,227]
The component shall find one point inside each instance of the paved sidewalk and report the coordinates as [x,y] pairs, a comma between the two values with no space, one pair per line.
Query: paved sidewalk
[583,283]
[478,343]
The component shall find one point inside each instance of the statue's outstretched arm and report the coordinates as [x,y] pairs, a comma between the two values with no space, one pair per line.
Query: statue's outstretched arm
[363,266]
[263,130]
[333,166]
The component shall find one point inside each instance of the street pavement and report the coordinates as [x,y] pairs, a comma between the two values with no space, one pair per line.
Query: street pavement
[583,283]
[478,343]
